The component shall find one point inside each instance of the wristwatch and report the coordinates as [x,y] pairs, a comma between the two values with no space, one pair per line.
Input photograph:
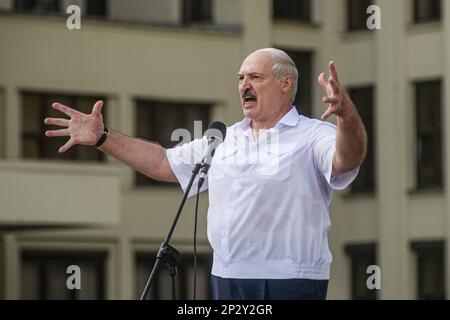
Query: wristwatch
[103,137]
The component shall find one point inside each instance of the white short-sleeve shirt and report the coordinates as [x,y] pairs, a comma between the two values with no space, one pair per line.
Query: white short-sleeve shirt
[268,198]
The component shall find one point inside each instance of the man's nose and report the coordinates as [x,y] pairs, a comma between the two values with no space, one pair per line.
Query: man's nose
[244,85]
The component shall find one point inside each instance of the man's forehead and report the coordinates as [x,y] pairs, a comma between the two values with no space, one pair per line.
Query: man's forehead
[257,62]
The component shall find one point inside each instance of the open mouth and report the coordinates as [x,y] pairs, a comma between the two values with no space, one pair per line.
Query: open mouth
[249,97]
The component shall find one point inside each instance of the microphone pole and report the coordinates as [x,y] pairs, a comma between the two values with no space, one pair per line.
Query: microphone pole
[167,254]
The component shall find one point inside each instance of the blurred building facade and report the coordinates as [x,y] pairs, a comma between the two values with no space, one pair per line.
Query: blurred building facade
[163,64]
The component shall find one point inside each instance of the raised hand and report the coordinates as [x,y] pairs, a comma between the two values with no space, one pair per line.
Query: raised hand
[339,103]
[81,128]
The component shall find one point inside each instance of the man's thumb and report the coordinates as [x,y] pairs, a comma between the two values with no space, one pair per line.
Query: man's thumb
[97,109]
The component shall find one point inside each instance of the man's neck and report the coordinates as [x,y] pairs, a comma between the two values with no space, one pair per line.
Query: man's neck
[269,123]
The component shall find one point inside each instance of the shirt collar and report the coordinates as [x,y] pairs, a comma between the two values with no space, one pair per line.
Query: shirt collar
[290,119]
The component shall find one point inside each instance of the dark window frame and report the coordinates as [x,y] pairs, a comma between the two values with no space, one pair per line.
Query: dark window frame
[45,257]
[304,61]
[356,253]
[31,7]
[182,291]
[40,138]
[2,124]
[197,11]
[154,135]
[96,8]
[357,21]
[436,9]
[2,267]
[292,10]
[434,132]
[369,119]
[434,250]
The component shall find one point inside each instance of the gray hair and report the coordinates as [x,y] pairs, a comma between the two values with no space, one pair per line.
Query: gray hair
[283,67]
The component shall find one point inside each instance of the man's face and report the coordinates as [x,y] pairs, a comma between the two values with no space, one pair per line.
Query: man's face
[261,93]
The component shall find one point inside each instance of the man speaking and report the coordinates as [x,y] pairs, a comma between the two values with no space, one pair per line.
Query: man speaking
[268,219]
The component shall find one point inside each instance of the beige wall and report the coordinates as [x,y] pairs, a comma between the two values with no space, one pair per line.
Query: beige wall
[227,12]
[67,190]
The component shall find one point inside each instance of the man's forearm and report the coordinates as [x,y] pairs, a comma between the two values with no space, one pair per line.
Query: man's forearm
[351,143]
[148,158]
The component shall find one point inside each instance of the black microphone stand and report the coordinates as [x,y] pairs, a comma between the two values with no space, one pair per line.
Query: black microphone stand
[168,254]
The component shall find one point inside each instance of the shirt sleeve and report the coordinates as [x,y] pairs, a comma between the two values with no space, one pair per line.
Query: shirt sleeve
[182,159]
[323,142]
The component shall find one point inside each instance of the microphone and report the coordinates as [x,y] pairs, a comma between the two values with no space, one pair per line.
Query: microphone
[215,134]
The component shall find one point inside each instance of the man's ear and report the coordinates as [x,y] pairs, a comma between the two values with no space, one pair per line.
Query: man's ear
[287,84]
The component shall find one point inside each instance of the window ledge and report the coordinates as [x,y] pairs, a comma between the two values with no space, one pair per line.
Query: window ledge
[363,195]
[424,27]
[221,29]
[357,35]
[60,167]
[156,186]
[300,23]
[153,189]
[172,190]
[59,194]
[426,191]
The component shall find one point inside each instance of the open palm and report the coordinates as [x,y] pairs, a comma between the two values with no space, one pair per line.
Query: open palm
[336,97]
[81,128]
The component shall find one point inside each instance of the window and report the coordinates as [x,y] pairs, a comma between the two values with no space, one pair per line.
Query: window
[429,134]
[303,62]
[357,14]
[44,275]
[292,10]
[427,10]
[96,8]
[2,267]
[37,6]
[430,269]
[363,98]
[35,145]
[197,11]
[362,256]
[161,287]
[93,8]
[2,125]
[156,120]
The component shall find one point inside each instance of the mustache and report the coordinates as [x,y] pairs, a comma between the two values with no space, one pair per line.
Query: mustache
[248,95]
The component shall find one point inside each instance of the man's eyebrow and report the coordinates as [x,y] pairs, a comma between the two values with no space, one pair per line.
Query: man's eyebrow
[251,74]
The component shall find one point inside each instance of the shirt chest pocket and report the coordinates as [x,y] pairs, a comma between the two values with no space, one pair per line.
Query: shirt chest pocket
[276,163]
[223,159]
